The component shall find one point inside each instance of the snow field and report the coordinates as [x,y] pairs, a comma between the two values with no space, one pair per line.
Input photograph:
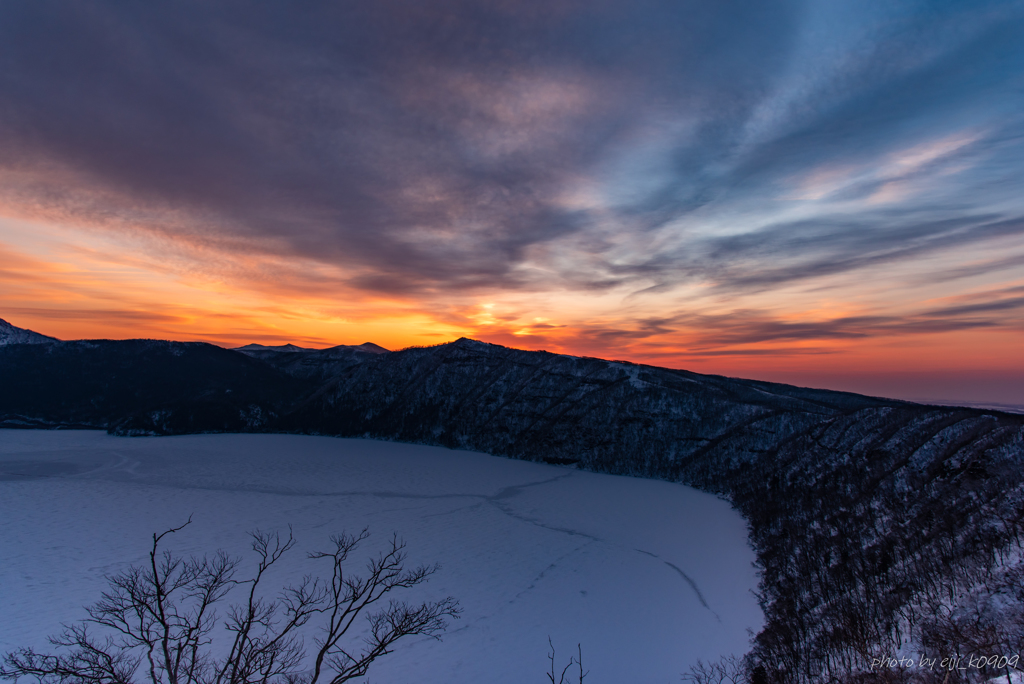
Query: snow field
[648,576]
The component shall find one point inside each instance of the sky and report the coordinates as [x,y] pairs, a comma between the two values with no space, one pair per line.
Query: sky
[826,193]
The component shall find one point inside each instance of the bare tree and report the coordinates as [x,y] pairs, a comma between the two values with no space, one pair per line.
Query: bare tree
[156,621]
[576,660]
[726,670]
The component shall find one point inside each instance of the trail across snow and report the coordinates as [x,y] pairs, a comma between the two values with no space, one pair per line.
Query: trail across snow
[647,576]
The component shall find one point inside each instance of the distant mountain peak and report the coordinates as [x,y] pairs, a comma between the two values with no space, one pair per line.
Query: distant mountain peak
[368,347]
[277,348]
[10,334]
[371,347]
[472,344]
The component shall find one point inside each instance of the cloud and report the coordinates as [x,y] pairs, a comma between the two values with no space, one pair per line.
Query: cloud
[119,316]
[675,165]
[418,148]
[757,332]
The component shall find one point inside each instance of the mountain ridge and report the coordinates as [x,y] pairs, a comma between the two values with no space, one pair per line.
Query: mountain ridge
[10,334]
[877,523]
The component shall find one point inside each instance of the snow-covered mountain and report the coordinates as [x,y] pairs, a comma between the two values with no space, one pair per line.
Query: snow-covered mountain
[865,513]
[12,335]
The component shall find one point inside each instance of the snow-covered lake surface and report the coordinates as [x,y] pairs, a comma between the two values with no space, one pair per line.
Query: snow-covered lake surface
[648,576]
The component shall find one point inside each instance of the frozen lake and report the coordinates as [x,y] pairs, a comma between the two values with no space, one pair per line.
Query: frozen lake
[648,576]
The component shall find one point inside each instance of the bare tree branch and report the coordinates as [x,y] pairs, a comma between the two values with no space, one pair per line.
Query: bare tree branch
[575,660]
[162,614]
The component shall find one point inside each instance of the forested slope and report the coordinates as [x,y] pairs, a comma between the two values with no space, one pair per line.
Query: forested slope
[887,526]
[882,528]
[180,386]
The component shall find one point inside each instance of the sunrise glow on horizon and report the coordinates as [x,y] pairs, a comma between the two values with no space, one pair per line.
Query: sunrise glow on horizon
[825,194]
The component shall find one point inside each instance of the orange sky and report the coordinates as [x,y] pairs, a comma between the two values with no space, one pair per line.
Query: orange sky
[80,282]
[827,194]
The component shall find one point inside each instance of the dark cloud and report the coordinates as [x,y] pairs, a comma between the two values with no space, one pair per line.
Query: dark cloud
[110,315]
[782,253]
[747,329]
[982,267]
[428,147]
[734,333]
[422,142]
[789,252]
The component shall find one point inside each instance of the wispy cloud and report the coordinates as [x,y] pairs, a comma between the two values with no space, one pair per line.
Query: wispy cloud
[636,173]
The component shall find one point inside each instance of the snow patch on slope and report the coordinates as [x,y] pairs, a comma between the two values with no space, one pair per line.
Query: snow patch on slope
[12,335]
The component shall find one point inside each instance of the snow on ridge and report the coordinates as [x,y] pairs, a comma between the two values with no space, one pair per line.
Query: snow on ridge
[10,334]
